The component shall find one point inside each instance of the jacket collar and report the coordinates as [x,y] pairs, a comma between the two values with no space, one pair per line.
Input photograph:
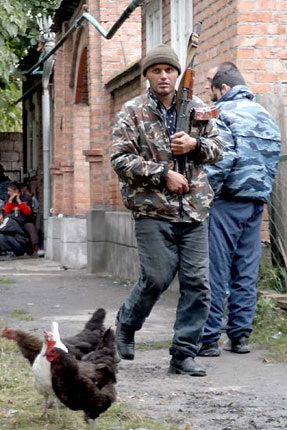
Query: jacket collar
[236,92]
[156,103]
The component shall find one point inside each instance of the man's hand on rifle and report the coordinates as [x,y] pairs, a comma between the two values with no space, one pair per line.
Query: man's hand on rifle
[176,182]
[182,143]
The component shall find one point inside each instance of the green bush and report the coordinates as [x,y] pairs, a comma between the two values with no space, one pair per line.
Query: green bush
[270,328]
[272,278]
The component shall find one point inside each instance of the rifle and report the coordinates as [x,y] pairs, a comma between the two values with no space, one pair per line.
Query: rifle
[184,103]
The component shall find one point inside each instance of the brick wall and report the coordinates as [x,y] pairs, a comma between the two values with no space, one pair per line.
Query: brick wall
[115,55]
[62,165]
[11,154]
[261,35]
[81,172]
[250,33]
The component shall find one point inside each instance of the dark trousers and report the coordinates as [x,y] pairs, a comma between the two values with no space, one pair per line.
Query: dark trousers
[31,229]
[10,244]
[165,249]
[234,252]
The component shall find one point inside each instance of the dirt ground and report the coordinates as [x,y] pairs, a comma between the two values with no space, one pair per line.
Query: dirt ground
[240,392]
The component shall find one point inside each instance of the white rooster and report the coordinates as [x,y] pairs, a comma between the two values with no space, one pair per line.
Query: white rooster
[41,368]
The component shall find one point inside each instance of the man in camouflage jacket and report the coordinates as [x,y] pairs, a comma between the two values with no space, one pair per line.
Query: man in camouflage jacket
[170,208]
[242,182]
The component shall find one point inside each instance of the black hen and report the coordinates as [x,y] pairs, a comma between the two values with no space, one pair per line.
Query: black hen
[88,339]
[105,359]
[78,345]
[86,385]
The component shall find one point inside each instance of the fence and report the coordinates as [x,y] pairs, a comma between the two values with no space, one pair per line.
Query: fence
[274,269]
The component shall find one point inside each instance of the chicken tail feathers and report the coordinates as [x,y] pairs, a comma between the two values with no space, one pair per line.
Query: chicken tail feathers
[29,344]
[97,320]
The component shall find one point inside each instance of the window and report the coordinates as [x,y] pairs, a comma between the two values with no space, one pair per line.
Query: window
[153,24]
[32,107]
[181,27]
[82,90]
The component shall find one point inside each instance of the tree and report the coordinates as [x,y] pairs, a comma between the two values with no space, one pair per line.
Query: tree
[18,32]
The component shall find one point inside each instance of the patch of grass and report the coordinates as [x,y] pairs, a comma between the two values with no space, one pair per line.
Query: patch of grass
[21,406]
[270,328]
[21,315]
[272,278]
[147,346]
[6,281]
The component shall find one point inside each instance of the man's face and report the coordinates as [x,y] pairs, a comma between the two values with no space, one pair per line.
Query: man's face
[12,191]
[210,75]
[162,79]
[216,94]
[24,190]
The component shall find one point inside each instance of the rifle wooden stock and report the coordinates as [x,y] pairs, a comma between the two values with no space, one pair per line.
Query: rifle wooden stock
[188,81]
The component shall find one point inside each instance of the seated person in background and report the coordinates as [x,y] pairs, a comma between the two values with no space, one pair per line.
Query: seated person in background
[12,236]
[4,181]
[26,190]
[36,217]
[19,207]
[3,177]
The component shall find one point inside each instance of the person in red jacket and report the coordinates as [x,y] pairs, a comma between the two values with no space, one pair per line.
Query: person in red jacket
[19,207]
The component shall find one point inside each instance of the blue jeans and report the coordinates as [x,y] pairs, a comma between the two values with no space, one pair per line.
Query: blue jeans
[165,249]
[9,243]
[234,253]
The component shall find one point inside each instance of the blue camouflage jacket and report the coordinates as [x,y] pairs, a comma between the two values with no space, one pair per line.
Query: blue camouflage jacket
[251,148]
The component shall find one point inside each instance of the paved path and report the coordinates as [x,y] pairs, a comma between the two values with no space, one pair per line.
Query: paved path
[241,392]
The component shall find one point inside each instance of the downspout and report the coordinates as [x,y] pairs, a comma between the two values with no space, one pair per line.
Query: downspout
[46,130]
[88,17]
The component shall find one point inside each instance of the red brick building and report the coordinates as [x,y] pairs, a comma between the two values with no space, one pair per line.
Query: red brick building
[93,76]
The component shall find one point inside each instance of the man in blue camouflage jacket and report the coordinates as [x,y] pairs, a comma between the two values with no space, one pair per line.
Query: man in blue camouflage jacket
[170,208]
[242,182]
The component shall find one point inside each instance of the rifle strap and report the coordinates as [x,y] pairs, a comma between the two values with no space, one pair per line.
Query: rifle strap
[191,51]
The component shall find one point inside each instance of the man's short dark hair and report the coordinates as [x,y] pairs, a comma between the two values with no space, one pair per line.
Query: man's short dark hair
[227,65]
[228,74]
[25,185]
[14,185]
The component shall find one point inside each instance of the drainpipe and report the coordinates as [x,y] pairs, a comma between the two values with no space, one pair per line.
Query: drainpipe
[88,17]
[48,38]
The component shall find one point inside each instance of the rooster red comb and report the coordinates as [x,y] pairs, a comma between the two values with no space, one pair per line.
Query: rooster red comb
[48,334]
[49,339]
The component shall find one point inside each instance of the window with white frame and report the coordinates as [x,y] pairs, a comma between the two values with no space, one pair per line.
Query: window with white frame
[181,16]
[153,24]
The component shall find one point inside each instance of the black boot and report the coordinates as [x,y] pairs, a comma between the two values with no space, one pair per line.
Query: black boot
[238,345]
[125,340]
[210,349]
[186,366]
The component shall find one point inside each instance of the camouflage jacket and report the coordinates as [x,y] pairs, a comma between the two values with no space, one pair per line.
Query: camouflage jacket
[141,156]
[251,151]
